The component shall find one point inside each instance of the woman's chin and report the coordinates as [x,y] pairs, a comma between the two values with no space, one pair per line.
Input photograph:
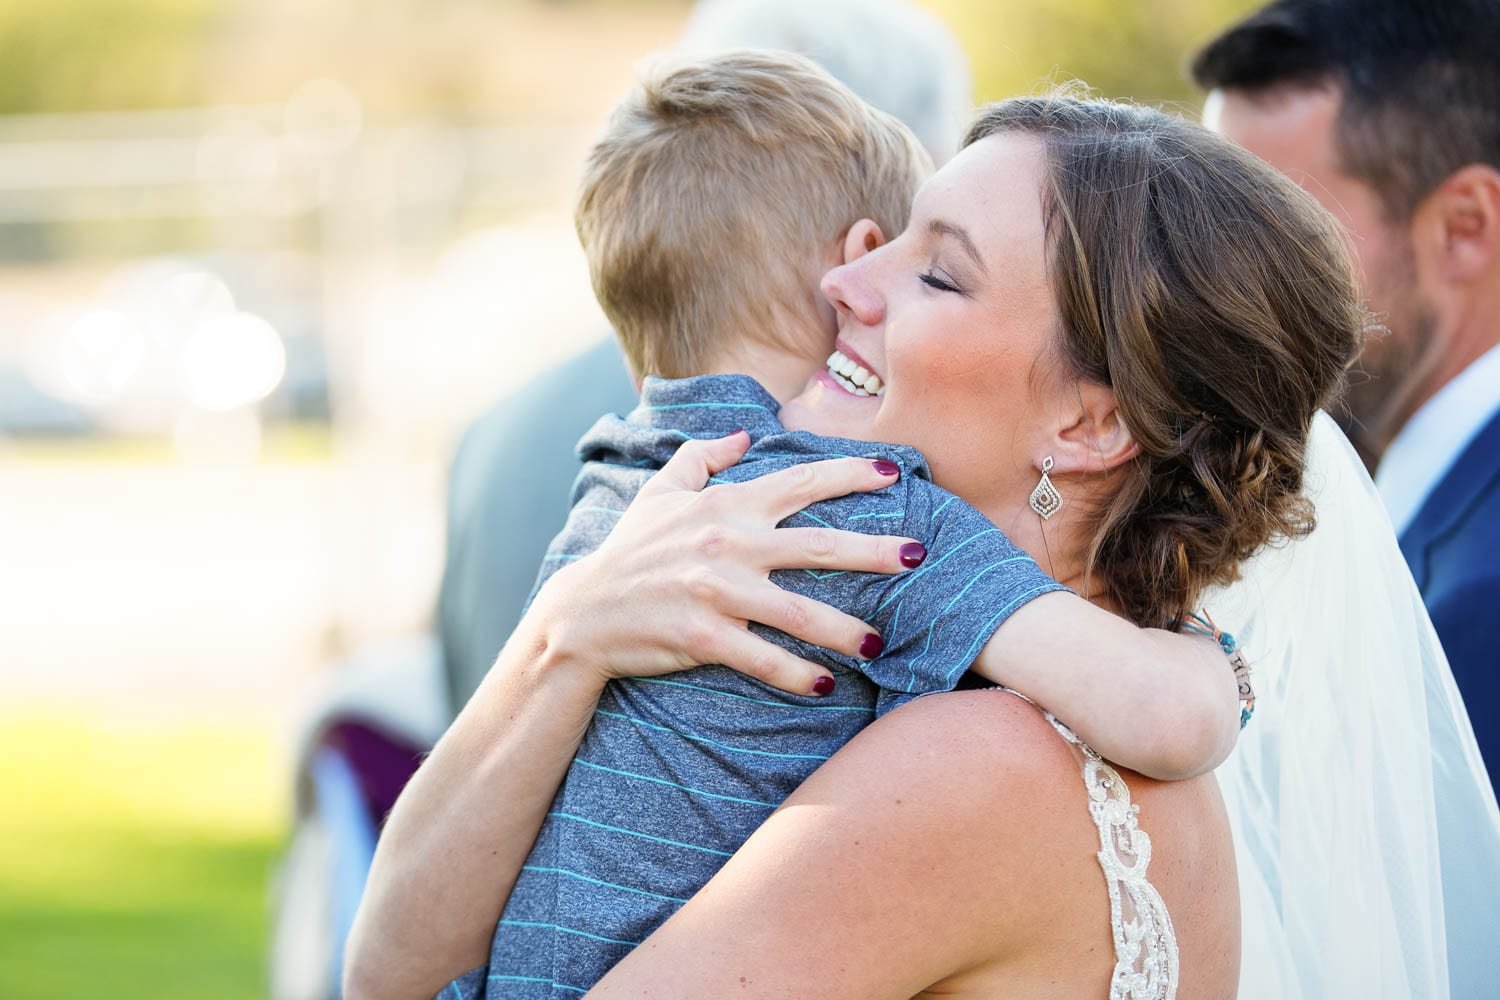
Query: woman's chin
[827,408]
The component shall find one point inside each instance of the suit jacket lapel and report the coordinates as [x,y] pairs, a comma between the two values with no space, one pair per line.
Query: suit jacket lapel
[1473,475]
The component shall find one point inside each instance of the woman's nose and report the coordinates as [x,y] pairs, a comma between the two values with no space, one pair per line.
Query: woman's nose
[851,292]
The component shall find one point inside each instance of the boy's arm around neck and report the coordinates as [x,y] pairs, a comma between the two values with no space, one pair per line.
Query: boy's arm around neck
[1163,704]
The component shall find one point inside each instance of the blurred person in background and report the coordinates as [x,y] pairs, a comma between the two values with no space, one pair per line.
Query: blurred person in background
[1388,111]
[889,52]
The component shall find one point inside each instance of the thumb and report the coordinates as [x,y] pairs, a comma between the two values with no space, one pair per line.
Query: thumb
[696,461]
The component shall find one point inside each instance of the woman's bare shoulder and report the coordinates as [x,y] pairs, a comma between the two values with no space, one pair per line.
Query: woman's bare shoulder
[964,752]
[949,843]
[970,752]
[986,791]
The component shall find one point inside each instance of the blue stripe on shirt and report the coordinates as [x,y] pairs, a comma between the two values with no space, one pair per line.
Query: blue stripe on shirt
[636,833]
[544,870]
[713,743]
[663,781]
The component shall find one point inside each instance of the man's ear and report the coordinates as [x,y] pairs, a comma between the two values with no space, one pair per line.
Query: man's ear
[1458,225]
[1093,436]
[863,236]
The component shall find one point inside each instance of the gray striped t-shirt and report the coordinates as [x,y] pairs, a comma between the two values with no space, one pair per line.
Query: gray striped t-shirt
[675,773]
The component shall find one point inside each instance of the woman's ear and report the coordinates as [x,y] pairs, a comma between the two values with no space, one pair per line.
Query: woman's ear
[863,236]
[1094,436]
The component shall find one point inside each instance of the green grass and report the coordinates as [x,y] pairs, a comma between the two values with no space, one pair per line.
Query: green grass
[134,862]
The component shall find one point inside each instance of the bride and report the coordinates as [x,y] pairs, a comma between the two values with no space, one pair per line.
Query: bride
[979,881]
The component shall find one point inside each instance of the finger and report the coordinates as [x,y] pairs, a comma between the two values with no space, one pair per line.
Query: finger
[743,650]
[783,493]
[831,549]
[812,621]
[694,462]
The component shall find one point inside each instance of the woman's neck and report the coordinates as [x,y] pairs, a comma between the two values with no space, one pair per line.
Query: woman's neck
[1059,545]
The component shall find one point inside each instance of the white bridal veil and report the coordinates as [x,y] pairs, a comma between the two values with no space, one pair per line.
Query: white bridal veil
[1366,829]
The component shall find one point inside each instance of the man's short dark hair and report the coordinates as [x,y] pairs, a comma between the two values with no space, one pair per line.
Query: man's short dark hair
[1419,82]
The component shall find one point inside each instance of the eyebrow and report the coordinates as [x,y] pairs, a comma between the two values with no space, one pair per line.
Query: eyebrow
[939,227]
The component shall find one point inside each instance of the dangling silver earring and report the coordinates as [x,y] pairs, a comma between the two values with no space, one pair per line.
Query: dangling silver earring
[1045,499]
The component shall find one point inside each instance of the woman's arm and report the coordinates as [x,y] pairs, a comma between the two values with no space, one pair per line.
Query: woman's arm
[453,845]
[457,837]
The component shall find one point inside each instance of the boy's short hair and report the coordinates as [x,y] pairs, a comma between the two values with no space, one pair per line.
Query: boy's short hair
[714,189]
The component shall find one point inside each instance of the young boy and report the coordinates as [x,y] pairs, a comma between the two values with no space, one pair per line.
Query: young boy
[719,195]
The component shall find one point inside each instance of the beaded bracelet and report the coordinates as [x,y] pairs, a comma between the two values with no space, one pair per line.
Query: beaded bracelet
[1203,624]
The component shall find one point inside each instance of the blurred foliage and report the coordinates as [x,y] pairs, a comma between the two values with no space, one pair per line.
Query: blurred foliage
[1136,50]
[490,58]
[67,55]
[518,58]
[136,858]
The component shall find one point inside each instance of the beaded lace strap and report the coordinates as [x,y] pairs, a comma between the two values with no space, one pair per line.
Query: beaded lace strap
[1146,963]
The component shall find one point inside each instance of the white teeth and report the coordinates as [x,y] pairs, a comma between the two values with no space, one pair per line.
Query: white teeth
[853,377]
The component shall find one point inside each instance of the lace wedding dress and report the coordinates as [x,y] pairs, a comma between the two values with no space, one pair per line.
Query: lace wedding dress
[1146,964]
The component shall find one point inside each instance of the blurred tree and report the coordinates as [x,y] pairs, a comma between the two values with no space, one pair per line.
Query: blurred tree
[70,55]
[1137,49]
[519,59]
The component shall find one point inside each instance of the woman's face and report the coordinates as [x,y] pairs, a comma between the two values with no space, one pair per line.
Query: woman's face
[954,318]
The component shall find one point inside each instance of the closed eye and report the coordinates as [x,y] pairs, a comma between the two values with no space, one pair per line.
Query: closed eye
[932,280]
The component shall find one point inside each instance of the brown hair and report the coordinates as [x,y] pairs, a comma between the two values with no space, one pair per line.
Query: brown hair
[715,187]
[1219,302]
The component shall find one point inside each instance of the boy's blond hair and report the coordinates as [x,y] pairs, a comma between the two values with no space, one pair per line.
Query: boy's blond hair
[715,191]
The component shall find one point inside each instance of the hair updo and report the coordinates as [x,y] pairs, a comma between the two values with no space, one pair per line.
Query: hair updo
[1219,302]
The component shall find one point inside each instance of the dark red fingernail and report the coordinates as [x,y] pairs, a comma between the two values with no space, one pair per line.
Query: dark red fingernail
[823,686]
[871,646]
[737,430]
[912,554]
[886,468]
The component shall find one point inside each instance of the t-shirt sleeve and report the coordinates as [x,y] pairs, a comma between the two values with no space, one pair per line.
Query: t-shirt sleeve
[600,495]
[936,618]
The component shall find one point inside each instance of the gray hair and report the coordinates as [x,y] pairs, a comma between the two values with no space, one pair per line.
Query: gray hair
[896,56]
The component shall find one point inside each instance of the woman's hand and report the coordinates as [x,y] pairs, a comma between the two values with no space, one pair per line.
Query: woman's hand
[686,569]
[674,586]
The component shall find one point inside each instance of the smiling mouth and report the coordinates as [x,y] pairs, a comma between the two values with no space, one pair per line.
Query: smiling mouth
[854,377]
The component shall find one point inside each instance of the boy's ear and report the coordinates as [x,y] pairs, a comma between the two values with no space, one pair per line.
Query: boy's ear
[863,236]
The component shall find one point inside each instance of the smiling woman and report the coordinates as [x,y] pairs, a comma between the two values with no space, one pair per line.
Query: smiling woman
[1056,303]
[1167,396]
[953,329]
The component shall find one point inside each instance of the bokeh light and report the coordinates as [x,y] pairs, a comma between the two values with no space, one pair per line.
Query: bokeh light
[100,352]
[231,361]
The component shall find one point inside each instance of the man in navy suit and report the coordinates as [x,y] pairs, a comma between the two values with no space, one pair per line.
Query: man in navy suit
[1388,111]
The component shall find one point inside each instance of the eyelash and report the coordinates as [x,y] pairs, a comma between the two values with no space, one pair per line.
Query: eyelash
[931,280]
